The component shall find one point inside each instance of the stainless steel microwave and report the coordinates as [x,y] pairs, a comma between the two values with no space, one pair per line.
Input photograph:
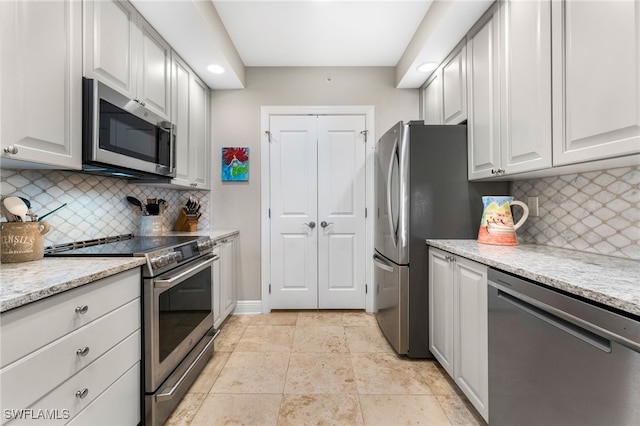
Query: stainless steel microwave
[123,138]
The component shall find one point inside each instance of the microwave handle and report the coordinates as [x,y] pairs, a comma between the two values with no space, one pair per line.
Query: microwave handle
[173,149]
[171,128]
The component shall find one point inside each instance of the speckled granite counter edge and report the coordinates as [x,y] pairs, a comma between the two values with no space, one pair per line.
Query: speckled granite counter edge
[18,288]
[622,293]
[215,234]
[38,282]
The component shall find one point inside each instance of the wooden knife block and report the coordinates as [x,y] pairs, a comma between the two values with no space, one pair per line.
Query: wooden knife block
[186,222]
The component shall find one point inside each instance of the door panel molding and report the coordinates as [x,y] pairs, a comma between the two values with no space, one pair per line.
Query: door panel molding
[266,113]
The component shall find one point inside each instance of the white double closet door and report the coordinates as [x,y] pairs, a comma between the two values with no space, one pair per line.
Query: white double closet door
[318,199]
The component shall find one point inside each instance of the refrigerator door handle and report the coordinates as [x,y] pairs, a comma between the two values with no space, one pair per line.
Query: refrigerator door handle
[392,225]
[380,263]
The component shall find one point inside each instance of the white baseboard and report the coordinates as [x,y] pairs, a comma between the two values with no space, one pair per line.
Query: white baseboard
[248,307]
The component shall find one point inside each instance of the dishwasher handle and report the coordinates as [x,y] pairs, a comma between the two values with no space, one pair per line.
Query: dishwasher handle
[568,327]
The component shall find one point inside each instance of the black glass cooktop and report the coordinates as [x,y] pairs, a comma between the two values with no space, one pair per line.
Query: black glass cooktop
[125,248]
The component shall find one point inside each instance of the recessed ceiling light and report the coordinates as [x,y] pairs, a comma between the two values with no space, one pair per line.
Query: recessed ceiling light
[428,66]
[216,69]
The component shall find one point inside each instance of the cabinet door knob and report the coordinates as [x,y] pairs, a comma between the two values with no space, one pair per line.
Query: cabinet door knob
[82,309]
[311,225]
[325,224]
[194,184]
[11,149]
[82,394]
[83,351]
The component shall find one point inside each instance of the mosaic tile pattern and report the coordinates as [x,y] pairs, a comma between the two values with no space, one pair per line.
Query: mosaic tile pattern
[96,205]
[597,212]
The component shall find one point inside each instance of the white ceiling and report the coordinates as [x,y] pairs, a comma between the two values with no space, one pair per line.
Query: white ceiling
[251,33]
[321,33]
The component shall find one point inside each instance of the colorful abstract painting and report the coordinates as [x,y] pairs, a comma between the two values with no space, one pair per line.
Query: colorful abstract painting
[235,164]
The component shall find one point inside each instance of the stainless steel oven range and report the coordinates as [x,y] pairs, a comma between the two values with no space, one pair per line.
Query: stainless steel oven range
[178,332]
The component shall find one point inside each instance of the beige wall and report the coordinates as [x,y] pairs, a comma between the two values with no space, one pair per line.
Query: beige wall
[236,122]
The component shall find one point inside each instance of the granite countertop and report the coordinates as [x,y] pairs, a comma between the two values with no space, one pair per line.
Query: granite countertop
[612,281]
[215,234]
[23,283]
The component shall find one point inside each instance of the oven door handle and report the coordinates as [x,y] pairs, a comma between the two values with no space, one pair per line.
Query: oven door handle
[172,281]
[166,394]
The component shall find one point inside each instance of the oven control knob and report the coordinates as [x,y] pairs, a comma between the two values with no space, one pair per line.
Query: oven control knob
[205,245]
[155,262]
[177,256]
[160,261]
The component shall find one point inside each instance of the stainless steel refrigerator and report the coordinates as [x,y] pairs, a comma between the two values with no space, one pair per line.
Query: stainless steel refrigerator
[421,192]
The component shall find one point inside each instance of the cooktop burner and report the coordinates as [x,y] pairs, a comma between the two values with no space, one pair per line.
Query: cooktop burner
[123,246]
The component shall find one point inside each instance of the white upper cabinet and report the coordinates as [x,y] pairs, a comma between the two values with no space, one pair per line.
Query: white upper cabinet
[483,95]
[509,89]
[123,51]
[444,96]
[154,71]
[454,86]
[596,80]
[181,75]
[190,114]
[525,117]
[41,84]
[432,99]
[199,132]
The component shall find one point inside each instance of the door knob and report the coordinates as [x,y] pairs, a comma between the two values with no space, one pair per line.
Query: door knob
[324,224]
[310,224]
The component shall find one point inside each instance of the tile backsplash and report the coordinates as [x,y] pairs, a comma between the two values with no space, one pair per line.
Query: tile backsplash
[96,205]
[597,212]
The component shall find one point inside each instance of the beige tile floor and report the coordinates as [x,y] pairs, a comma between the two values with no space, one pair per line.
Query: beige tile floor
[317,368]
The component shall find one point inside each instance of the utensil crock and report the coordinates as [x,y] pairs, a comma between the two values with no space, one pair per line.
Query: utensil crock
[22,241]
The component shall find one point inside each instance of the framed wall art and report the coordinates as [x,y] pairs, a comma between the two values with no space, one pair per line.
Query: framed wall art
[235,164]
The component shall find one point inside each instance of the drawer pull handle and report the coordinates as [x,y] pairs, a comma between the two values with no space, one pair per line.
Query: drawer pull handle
[82,309]
[82,394]
[83,351]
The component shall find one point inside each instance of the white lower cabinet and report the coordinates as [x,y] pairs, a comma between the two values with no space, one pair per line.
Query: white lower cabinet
[225,289]
[81,344]
[458,323]
[215,296]
[117,395]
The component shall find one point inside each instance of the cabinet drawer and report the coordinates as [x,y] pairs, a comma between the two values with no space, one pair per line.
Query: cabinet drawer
[35,325]
[94,380]
[123,394]
[25,381]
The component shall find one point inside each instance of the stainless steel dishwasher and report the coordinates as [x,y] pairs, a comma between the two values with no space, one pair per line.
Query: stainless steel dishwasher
[557,360]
